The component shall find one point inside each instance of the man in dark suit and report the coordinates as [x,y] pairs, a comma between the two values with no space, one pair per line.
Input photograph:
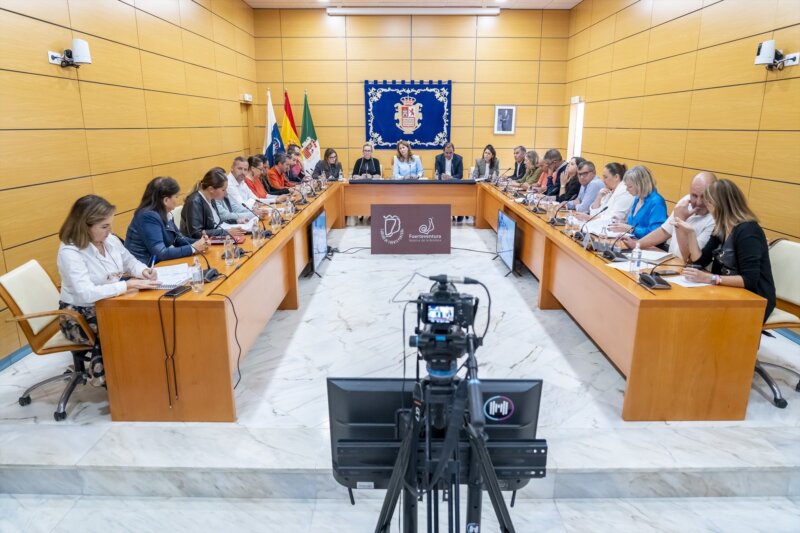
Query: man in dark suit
[449,165]
[519,163]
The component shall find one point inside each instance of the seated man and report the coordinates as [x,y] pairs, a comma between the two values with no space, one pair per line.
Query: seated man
[239,194]
[276,176]
[519,163]
[296,172]
[590,187]
[692,209]
[367,166]
[448,164]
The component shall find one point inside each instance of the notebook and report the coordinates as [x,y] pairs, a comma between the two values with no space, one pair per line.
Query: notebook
[172,276]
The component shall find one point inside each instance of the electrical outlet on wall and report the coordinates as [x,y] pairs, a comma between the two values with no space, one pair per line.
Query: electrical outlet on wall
[792,60]
[54,57]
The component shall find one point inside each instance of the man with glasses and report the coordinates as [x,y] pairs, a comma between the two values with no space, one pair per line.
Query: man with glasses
[366,166]
[591,185]
[448,164]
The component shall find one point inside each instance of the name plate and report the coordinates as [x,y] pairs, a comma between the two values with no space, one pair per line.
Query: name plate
[410,229]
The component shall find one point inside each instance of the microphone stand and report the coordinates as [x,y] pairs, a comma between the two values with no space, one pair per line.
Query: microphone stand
[538,210]
[555,221]
[652,280]
[237,252]
[610,254]
[581,235]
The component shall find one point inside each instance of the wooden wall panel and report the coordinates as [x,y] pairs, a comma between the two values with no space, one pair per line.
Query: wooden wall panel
[705,106]
[165,75]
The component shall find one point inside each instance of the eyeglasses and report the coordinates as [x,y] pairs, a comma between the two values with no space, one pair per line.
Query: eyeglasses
[585,173]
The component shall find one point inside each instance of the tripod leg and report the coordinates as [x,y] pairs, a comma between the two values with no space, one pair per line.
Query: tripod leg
[478,446]
[410,513]
[474,494]
[401,471]
[433,517]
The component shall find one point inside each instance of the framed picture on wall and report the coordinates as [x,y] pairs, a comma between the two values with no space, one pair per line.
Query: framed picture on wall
[505,117]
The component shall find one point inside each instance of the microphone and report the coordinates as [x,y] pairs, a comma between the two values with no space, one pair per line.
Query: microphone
[260,222]
[209,274]
[555,221]
[538,210]
[610,254]
[442,278]
[652,280]
[581,235]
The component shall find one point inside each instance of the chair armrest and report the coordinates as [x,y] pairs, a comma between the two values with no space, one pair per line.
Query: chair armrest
[79,318]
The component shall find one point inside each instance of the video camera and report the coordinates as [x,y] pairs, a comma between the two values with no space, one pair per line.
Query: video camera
[444,317]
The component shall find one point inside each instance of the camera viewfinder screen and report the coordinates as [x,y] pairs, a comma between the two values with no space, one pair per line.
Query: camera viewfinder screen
[441,314]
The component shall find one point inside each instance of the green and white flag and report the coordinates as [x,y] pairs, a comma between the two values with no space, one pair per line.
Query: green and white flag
[308,138]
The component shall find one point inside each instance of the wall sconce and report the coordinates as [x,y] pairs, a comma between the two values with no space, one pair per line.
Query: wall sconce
[766,54]
[75,57]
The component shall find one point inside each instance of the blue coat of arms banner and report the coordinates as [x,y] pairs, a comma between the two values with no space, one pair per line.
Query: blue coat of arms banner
[417,112]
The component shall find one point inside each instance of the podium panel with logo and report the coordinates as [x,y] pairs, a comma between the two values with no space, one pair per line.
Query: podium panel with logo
[410,229]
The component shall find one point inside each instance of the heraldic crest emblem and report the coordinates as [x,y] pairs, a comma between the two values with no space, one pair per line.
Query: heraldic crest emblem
[408,114]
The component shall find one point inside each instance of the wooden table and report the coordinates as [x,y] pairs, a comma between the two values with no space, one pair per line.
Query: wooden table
[196,383]
[687,354]
[361,194]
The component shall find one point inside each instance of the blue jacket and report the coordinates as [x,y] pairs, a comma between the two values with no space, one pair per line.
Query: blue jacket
[652,214]
[148,235]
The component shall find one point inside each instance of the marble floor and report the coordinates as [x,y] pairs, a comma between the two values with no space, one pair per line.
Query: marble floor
[347,326]
[32,513]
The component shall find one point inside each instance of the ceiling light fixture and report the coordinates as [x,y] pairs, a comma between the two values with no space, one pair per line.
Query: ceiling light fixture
[437,11]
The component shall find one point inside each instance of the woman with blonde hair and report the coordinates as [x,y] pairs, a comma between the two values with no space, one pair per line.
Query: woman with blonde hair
[649,210]
[94,265]
[737,250]
[532,170]
[405,163]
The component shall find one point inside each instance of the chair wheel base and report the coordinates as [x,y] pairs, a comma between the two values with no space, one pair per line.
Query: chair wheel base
[59,416]
[781,403]
[24,400]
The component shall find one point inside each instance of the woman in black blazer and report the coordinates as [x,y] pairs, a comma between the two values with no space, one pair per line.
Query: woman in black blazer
[737,250]
[200,214]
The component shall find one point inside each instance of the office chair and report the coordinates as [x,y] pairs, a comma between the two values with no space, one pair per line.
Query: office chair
[784,256]
[32,298]
[176,215]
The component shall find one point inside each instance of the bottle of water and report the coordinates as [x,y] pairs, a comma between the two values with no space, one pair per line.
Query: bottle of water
[228,251]
[604,239]
[197,276]
[636,259]
[436,175]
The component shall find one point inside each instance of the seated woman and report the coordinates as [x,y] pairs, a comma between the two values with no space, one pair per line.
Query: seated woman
[200,215]
[615,194]
[533,171]
[330,166]
[152,233]
[737,250]
[405,164]
[569,185]
[91,263]
[255,176]
[649,210]
[488,165]
[367,165]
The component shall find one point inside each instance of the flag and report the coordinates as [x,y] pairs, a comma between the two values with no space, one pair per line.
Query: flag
[288,128]
[310,144]
[272,137]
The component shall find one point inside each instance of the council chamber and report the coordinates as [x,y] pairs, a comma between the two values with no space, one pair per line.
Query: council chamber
[356,265]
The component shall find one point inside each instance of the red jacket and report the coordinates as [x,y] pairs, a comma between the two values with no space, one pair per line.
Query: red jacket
[278,179]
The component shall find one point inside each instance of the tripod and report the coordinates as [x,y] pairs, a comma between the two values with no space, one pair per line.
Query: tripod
[456,405]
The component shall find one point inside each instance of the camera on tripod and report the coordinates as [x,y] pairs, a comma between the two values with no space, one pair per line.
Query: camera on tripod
[444,317]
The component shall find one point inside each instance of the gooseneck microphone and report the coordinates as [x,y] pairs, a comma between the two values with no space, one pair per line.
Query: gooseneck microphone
[536,209]
[260,221]
[238,252]
[610,254]
[581,235]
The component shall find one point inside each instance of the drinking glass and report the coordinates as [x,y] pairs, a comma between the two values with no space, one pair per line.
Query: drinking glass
[275,221]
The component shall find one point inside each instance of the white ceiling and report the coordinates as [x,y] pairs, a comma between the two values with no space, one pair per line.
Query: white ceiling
[504,4]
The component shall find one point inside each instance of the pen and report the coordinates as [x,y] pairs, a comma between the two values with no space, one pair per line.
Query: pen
[152,262]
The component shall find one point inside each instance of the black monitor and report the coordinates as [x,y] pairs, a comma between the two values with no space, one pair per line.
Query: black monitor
[364,424]
[506,238]
[319,240]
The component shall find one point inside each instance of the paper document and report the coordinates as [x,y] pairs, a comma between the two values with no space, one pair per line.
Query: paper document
[655,256]
[625,266]
[172,276]
[246,227]
[683,282]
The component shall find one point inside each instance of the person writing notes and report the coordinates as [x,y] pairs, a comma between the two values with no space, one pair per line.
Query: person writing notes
[92,263]
[691,209]
[448,164]
[737,249]
[406,164]
[152,233]
[488,165]
[649,210]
